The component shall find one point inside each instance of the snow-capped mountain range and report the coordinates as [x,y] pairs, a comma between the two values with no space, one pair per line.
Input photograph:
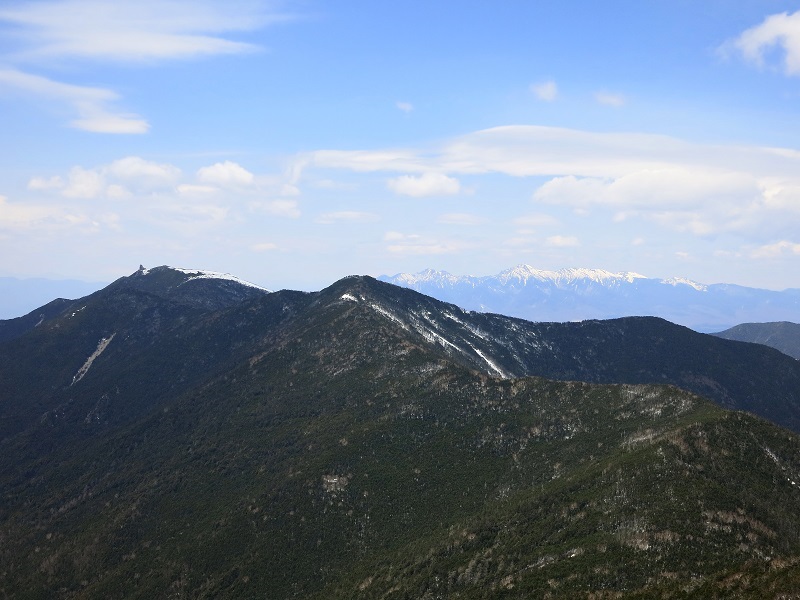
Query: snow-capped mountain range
[580,294]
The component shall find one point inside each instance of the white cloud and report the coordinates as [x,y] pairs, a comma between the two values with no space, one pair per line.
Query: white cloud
[691,187]
[346,216]
[330,184]
[118,192]
[609,99]
[278,208]
[189,189]
[561,241]
[412,244]
[547,90]
[90,104]
[396,236]
[83,183]
[779,30]
[21,217]
[225,174]
[146,30]
[649,188]
[263,247]
[777,249]
[145,173]
[365,161]
[188,216]
[697,201]
[461,219]
[42,183]
[406,107]
[287,189]
[112,180]
[520,151]
[538,220]
[427,184]
[424,249]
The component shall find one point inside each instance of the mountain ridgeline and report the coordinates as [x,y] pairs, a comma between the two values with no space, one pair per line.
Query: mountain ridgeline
[367,441]
[579,294]
[782,336]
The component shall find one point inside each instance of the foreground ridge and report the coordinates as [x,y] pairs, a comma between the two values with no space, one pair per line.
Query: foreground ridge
[367,441]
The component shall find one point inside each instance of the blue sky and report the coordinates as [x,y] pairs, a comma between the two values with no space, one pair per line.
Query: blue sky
[293,143]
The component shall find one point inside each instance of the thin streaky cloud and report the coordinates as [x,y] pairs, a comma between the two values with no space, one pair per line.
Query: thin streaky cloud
[537,220]
[133,32]
[264,247]
[610,99]
[147,31]
[347,216]
[90,104]
[461,219]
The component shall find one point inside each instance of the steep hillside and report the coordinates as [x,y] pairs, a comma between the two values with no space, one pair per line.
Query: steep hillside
[628,350]
[783,336]
[340,452]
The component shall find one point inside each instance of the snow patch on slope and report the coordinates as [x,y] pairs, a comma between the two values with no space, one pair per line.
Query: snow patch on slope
[492,366]
[101,346]
[676,281]
[199,274]
[380,310]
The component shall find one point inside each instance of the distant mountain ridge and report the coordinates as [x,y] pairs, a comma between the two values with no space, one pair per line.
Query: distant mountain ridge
[20,296]
[579,294]
[783,336]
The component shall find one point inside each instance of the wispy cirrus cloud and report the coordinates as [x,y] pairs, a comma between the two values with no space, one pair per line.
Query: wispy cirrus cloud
[461,219]
[412,244]
[55,33]
[546,90]
[142,31]
[93,107]
[347,216]
[610,99]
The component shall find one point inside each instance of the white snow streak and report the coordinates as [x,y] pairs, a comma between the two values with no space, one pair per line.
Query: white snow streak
[389,315]
[215,275]
[101,345]
[492,366]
